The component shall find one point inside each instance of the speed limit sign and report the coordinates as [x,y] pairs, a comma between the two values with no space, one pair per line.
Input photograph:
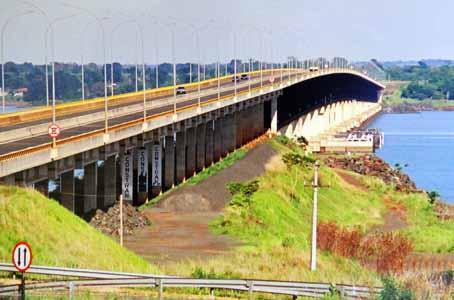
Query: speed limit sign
[22,256]
[54,130]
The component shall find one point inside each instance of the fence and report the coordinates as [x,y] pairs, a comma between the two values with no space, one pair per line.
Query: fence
[93,278]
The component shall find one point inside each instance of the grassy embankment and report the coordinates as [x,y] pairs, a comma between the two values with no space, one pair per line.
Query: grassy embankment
[396,99]
[58,237]
[226,162]
[275,227]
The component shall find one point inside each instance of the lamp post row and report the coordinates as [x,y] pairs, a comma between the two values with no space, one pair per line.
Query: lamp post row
[99,21]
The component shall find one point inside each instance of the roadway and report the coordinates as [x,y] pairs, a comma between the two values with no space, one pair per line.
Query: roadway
[191,98]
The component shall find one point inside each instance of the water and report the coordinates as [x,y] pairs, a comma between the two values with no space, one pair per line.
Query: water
[425,142]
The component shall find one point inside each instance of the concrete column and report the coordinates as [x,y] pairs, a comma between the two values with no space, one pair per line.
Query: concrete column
[274,115]
[201,134]
[169,163]
[217,138]
[239,126]
[42,187]
[180,152]
[191,140]
[90,187]
[209,143]
[67,190]
[231,130]
[225,135]
[110,181]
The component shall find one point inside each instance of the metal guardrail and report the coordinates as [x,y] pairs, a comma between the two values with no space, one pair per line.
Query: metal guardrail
[117,279]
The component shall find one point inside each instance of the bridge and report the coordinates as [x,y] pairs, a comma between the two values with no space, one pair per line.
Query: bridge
[141,144]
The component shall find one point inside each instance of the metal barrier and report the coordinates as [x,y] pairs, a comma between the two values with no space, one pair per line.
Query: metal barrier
[117,279]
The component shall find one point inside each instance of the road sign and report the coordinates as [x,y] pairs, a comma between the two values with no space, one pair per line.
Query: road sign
[271,79]
[54,130]
[22,256]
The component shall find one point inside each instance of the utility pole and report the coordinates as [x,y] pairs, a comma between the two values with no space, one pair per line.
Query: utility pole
[314,219]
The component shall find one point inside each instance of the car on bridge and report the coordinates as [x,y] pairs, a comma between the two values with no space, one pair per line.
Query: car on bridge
[181,90]
[236,78]
[313,69]
[244,76]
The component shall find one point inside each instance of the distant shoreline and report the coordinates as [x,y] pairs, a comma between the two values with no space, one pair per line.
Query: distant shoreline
[405,107]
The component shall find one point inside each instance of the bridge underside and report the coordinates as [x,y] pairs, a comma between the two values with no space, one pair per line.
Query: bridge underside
[321,91]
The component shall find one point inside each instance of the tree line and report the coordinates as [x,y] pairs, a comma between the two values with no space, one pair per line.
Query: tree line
[425,82]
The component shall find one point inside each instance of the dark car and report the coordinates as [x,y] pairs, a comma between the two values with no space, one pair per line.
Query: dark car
[236,78]
[181,90]
[244,76]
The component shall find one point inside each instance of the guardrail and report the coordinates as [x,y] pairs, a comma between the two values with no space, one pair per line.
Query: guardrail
[117,279]
[301,76]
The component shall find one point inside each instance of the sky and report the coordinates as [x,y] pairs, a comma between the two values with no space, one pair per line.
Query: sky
[273,30]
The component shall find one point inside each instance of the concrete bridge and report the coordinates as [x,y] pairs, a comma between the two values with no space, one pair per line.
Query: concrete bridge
[150,146]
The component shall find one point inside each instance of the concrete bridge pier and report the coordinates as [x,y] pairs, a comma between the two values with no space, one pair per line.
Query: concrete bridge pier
[191,140]
[217,139]
[209,143]
[180,152]
[110,181]
[274,128]
[90,187]
[67,190]
[169,160]
[200,145]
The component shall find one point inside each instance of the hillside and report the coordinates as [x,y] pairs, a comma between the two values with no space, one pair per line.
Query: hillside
[58,237]
[274,225]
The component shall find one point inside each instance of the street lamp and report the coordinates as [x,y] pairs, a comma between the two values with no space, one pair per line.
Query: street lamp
[111,54]
[101,26]
[2,56]
[156,40]
[47,22]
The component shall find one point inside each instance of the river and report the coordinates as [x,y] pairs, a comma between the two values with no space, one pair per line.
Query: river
[425,143]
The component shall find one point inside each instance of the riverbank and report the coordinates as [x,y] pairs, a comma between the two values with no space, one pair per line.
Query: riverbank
[421,145]
[394,103]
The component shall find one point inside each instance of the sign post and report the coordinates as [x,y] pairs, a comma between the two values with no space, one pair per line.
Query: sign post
[22,257]
[54,130]
[126,176]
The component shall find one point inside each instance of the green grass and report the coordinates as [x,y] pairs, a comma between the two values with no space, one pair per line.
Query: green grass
[397,99]
[281,209]
[428,233]
[226,162]
[275,229]
[57,236]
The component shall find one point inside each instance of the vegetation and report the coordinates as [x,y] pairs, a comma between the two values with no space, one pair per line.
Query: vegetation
[392,291]
[57,236]
[68,85]
[273,224]
[204,174]
[425,82]
[384,252]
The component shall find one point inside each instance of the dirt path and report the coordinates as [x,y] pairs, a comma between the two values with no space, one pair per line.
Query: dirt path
[180,220]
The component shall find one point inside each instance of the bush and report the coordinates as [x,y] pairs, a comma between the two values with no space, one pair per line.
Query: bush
[385,252]
[392,291]
[282,139]
[242,193]
[294,159]
[433,196]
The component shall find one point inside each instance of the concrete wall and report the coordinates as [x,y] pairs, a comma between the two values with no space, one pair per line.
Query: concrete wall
[328,120]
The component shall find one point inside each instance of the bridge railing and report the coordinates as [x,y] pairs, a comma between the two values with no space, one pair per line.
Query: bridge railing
[118,279]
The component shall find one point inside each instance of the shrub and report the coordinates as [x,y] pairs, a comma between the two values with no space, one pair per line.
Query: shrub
[242,193]
[392,291]
[433,196]
[385,252]
[294,159]
[282,139]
